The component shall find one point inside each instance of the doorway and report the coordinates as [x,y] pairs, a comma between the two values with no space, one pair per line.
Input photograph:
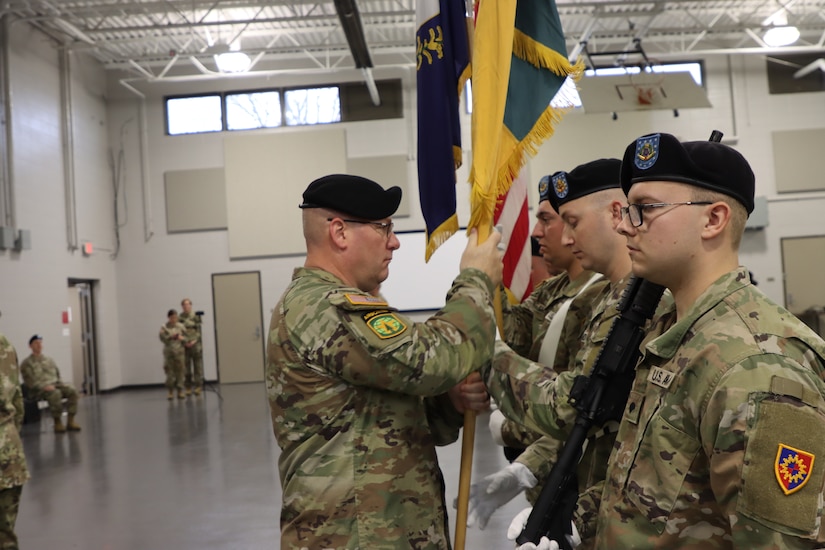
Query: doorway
[80,318]
[239,335]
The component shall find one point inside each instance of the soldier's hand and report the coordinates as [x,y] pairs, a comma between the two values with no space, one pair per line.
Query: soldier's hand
[484,256]
[470,394]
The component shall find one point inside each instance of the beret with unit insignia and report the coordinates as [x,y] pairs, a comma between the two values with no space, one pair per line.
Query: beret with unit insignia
[707,164]
[587,178]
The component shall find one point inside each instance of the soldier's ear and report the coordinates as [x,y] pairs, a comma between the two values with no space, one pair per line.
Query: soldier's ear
[338,232]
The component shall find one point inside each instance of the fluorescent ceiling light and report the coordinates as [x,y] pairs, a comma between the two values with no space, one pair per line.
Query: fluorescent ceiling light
[781,36]
[228,58]
[780,33]
[232,62]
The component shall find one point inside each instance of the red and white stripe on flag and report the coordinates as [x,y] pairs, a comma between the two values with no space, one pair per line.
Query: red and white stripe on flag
[511,214]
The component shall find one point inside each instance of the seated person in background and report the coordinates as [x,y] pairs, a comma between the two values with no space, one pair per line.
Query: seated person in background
[42,380]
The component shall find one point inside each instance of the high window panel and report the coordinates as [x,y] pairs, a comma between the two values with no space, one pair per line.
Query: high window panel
[247,111]
[312,106]
[192,115]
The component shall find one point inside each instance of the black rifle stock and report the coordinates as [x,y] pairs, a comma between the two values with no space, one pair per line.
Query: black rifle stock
[598,398]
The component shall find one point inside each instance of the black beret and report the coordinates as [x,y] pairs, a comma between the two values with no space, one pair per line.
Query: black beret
[587,178]
[35,337]
[353,195]
[706,164]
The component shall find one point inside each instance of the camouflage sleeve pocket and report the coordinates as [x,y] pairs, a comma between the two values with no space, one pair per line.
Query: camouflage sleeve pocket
[784,466]
[659,469]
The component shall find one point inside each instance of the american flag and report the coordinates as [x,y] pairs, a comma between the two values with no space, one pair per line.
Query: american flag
[513,218]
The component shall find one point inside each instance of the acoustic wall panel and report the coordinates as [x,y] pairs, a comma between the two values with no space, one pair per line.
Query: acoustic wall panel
[265,177]
[796,160]
[388,171]
[195,200]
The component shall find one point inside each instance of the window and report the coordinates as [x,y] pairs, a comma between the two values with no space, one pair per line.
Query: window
[191,115]
[272,108]
[312,106]
[247,111]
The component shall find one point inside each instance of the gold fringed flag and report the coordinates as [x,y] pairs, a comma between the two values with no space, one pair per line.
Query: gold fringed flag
[519,64]
[443,68]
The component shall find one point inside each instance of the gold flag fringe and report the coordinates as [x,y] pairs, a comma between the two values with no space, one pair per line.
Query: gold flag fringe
[538,55]
[440,235]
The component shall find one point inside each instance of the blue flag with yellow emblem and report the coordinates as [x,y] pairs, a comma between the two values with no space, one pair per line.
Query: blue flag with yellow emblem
[443,59]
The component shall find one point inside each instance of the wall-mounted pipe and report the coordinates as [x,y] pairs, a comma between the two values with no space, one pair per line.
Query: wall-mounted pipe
[6,157]
[67,124]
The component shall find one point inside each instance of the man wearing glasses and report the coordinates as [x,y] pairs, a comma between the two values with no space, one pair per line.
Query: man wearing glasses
[588,199]
[719,441]
[723,441]
[360,395]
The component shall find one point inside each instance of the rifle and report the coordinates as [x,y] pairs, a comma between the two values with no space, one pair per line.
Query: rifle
[597,398]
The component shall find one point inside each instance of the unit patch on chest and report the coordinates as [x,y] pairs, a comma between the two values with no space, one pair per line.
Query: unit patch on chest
[384,323]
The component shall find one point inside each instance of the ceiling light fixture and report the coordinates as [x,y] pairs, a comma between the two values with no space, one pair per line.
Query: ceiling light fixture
[780,34]
[229,59]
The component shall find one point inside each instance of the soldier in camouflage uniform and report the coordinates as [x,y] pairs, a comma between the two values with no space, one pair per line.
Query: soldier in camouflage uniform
[13,470]
[42,379]
[360,395]
[574,292]
[193,348]
[589,201]
[173,335]
[718,441]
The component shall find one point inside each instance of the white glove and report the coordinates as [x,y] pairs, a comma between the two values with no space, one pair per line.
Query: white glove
[495,423]
[496,490]
[517,526]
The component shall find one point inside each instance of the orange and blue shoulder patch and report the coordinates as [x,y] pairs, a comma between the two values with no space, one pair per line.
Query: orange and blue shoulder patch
[363,300]
[792,468]
[384,323]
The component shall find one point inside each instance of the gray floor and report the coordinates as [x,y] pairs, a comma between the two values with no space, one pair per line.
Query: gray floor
[148,474]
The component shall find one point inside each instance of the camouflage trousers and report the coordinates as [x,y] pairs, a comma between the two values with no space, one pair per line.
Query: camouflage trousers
[9,504]
[193,365]
[55,399]
[173,367]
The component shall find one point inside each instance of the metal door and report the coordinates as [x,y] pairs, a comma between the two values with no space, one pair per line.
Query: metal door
[239,333]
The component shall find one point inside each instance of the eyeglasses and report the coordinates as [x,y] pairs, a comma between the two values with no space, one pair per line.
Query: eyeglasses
[385,226]
[634,211]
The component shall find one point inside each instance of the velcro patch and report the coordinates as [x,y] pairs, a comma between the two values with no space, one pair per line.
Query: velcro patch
[792,468]
[362,300]
[385,324]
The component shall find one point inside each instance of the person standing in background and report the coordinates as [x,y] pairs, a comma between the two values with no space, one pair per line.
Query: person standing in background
[193,348]
[172,334]
[13,469]
[42,379]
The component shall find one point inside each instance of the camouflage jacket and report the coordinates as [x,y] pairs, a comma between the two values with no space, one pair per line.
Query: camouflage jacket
[192,325]
[358,403]
[13,470]
[168,335]
[525,324]
[39,372]
[717,444]
[528,322]
[539,399]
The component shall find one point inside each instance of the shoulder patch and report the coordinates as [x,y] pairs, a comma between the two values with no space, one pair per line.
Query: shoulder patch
[363,300]
[384,323]
[792,468]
